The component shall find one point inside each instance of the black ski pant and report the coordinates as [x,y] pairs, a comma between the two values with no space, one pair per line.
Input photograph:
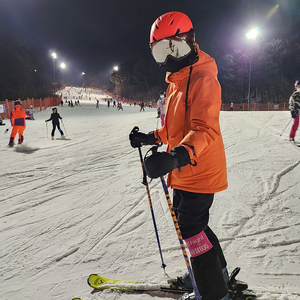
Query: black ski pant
[192,212]
[54,127]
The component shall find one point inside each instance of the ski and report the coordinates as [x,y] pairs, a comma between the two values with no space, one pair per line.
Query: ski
[100,283]
[295,143]
[238,290]
[63,139]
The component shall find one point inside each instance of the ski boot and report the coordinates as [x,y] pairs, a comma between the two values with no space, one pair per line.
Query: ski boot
[182,282]
[237,289]
[11,142]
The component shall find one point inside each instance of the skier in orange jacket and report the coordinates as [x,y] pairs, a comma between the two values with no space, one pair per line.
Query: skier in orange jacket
[17,120]
[195,157]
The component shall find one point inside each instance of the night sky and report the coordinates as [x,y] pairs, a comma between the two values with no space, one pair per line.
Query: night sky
[115,30]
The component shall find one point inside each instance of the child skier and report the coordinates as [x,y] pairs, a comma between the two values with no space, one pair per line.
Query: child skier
[32,111]
[17,120]
[55,116]
[161,107]
[294,105]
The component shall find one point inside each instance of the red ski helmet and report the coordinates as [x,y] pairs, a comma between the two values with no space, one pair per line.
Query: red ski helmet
[172,41]
[170,24]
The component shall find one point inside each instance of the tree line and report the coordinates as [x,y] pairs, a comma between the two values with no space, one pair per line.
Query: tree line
[269,67]
[22,71]
[272,67]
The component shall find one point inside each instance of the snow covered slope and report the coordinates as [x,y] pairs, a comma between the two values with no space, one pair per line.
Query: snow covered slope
[77,206]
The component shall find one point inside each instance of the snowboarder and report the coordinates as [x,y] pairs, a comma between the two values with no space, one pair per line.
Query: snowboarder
[294,106]
[195,159]
[17,120]
[55,116]
[161,107]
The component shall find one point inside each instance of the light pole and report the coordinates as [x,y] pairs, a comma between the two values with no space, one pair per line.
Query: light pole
[63,66]
[83,75]
[54,56]
[251,35]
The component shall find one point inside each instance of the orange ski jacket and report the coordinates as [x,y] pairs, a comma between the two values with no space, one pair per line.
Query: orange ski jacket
[196,127]
[18,116]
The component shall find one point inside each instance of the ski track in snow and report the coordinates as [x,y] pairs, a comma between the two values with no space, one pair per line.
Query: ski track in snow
[78,207]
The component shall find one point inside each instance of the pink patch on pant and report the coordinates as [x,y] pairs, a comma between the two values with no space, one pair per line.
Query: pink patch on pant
[198,244]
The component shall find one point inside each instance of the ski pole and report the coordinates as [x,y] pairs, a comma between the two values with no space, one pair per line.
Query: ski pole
[6,130]
[286,126]
[64,127]
[157,123]
[187,261]
[47,129]
[145,182]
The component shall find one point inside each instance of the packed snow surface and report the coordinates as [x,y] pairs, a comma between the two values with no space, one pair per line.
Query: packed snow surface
[69,208]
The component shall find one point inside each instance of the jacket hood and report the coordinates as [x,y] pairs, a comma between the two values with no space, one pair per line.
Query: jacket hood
[204,64]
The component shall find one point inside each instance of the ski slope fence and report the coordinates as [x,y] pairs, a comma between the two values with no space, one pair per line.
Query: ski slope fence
[225,106]
[38,104]
[256,106]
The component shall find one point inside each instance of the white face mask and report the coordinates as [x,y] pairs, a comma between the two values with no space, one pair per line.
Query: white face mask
[161,96]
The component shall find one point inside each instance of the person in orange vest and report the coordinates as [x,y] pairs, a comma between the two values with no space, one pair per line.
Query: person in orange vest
[195,156]
[17,120]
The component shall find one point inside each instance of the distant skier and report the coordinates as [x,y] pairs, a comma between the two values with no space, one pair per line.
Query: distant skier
[142,105]
[294,105]
[55,116]
[120,106]
[97,105]
[31,111]
[161,107]
[1,122]
[231,106]
[17,120]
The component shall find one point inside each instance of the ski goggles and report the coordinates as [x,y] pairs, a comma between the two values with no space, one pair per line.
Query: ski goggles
[175,46]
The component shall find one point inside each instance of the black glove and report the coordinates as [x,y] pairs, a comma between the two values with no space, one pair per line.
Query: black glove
[294,113]
[138,139]
[161,163]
